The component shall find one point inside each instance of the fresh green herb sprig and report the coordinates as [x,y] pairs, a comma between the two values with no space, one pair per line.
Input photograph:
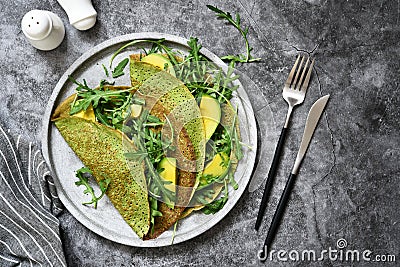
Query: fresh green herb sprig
[222,141]
[109,105]
[105,70]
[203,194]
[218,204]
[243,31]
[153,50]
[174,232]
[83,175]
[194,66]
[156,184]
[119,69]
[154,144]
[232,181]
[153,212]
[204,77]
[194,53]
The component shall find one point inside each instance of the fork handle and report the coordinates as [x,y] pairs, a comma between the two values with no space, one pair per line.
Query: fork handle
[271,176]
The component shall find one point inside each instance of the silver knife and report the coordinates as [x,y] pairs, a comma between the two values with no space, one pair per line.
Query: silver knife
[311,123]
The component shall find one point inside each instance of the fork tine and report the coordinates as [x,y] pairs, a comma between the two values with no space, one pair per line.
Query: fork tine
[305,83]
[302,74]
[291,74]
[297,74]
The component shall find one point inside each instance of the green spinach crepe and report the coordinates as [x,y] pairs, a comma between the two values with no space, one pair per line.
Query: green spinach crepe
[161,88]
[100,149]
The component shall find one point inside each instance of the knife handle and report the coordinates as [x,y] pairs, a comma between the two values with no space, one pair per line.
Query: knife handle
[271,176]
[280,210]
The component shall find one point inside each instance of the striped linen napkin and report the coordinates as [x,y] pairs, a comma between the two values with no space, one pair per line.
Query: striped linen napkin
[29,228]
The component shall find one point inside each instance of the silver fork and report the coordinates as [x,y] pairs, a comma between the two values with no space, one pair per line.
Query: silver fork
[294,92]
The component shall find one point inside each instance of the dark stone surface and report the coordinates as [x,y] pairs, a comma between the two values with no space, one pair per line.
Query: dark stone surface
[348,186]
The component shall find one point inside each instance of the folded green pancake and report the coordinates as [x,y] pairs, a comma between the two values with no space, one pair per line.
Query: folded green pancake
[101,149]
[159,88]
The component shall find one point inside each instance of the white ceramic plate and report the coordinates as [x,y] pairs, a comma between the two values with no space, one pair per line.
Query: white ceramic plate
[105,220]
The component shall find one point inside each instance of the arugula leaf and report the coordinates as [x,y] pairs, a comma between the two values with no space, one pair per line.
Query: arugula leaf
[154,49]
[215,206]
[105,70]
[194,52]
[151,150]
[109,105]
[203,77]
[218,204]
[83,175]
[119,69]
[174,232]
[243,31]
[153,212]
[232,181]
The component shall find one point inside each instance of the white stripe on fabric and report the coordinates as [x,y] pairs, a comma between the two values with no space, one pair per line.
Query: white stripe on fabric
[37,174]
[34,156]
[29,163]
[20,243]
[13,209]
[18,139]
[40,187]
[33,238]
[37,168]
[52,218]
[44,175]
[57,207]
[20,173]
[23,195]
[5,244]
[47,199]
[26,206]
[30,226]
[53,196]
[7,259]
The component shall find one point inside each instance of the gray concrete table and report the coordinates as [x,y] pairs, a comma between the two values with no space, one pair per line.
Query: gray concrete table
[348,187]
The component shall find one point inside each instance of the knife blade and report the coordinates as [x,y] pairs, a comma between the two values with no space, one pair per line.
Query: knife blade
[311,123]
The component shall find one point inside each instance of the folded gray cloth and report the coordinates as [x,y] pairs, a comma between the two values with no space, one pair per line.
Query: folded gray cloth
[29,228]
